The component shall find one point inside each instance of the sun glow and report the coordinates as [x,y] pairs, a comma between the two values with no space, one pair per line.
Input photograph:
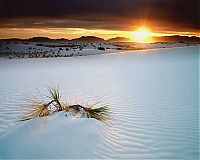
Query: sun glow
[142,35]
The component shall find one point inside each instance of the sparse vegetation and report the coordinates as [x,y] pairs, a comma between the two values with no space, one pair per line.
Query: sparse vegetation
[39,44]
[101,48]
[38,108]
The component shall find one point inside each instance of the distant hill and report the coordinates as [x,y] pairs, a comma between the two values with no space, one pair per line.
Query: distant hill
[39,39]
[61,40]
[12,40]
[88,39]
[177,38]
[118,39]
[33,39]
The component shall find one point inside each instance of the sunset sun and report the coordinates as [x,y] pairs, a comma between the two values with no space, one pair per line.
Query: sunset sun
[142,35]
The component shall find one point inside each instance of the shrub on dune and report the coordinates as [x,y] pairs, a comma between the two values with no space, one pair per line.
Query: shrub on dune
[35,108]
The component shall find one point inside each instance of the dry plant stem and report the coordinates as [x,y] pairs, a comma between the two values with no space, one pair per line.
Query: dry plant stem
[60,108]
[48,104]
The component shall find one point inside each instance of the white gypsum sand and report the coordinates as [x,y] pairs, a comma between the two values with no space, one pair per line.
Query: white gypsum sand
[153,95]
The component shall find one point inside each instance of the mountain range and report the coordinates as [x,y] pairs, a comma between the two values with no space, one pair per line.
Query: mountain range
[174,38]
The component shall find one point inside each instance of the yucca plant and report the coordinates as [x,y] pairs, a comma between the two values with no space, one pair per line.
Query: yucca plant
[36,109]
[41,109]
[100,113]
[54,96]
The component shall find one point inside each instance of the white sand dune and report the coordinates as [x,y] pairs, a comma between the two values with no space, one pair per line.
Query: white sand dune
[54,137]
[71,49]
[153,95]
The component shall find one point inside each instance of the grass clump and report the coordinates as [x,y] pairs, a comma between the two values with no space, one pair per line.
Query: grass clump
[55,96]
[101,113]
[36,108]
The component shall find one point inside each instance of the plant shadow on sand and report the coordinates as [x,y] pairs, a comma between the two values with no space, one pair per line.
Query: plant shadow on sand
[36,108]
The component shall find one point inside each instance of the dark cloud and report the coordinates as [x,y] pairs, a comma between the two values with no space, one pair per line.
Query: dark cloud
[98,14]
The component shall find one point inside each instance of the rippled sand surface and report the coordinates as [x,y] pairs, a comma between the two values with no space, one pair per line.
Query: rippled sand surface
[153,96]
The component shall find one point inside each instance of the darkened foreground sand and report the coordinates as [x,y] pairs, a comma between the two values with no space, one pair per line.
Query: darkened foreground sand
[153,97]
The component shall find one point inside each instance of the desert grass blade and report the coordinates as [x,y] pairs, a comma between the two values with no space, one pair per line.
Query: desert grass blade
[36,109]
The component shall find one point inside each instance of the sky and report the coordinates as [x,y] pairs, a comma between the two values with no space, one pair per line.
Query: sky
[103,18]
